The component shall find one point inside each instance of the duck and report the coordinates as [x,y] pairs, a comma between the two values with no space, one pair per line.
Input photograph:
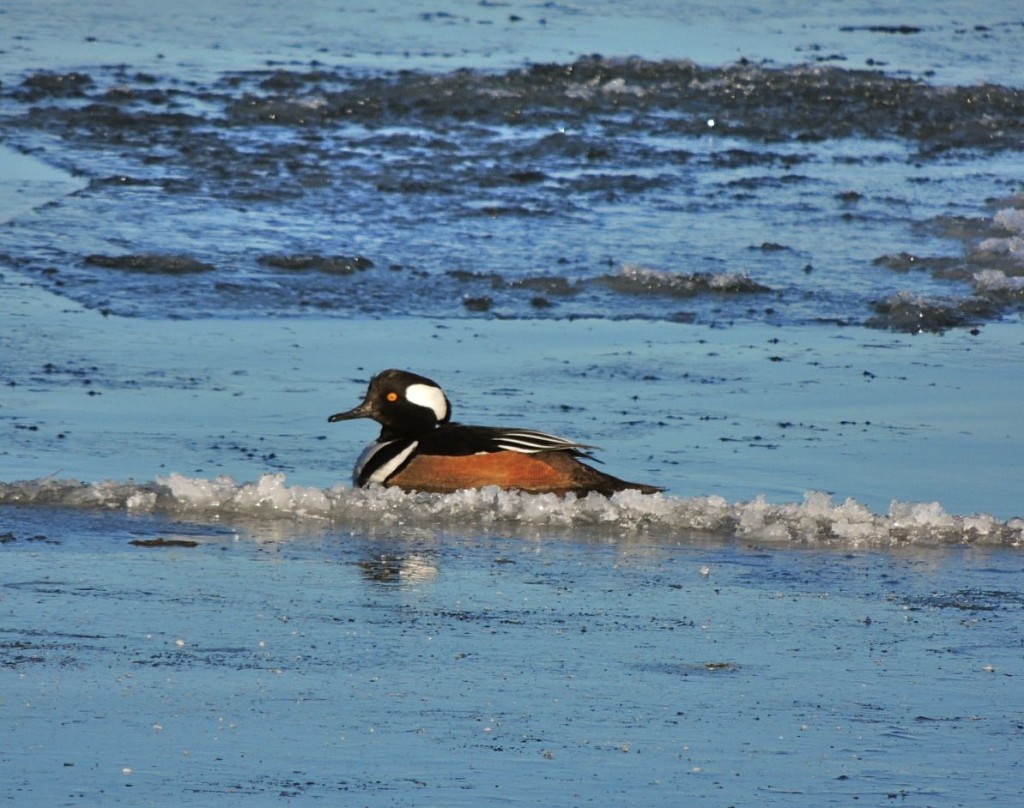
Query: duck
[421,449]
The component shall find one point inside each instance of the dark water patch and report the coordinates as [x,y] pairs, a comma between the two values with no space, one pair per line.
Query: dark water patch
[121,180]
[905,30]
[517,211]
[162,542]
[643,281]
[630,281]
[331,264]
[478,303]
[905,262]
[547,284]
[914,314]
[191,658]
[527,177]
[745,158]
[159,264]
[22,647]
[970,600]
[687,669]
[107,124]
[53,85]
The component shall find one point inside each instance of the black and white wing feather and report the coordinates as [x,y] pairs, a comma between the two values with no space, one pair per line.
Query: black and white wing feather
[530,441]
[458,439]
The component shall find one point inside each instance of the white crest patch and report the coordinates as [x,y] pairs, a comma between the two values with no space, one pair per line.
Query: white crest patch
[426,395]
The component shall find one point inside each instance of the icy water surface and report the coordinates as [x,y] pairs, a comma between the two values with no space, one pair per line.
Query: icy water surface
[764,256]
[250,665]
[599,188]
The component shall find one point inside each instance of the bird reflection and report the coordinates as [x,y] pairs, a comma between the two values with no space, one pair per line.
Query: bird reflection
[399,569]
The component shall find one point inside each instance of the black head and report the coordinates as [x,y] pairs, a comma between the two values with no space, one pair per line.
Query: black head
[405,404]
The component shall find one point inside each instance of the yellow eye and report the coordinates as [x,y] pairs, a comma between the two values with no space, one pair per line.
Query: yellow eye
[392,397]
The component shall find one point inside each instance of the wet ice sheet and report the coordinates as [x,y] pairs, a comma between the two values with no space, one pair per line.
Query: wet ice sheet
[269,664]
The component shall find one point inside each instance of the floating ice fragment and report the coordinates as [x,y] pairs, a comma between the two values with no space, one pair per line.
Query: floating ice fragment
[1011,219]
[994,280]
[1012,247]
[141,501]
[198,491]
[618,86]
[981,524]
[919,513]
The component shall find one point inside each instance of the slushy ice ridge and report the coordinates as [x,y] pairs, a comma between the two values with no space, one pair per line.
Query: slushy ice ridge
[817,520]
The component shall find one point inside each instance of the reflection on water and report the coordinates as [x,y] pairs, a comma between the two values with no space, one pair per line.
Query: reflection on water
[401,570]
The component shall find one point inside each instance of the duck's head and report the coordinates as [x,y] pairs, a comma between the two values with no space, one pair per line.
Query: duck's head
[405,404]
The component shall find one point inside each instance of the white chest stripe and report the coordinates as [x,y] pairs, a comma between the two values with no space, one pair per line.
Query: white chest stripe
[387,469]
[365,457]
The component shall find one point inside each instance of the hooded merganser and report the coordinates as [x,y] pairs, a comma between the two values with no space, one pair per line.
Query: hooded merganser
[420,449]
